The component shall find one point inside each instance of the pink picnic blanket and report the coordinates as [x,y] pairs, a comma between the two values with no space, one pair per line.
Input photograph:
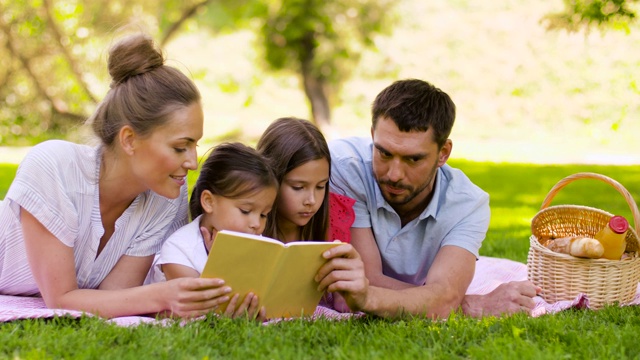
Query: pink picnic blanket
[490,273]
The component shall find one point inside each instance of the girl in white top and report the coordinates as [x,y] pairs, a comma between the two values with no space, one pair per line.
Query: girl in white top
[235,191]
[80,225]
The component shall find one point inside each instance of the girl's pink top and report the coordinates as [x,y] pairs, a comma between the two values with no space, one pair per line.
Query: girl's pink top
[341,217]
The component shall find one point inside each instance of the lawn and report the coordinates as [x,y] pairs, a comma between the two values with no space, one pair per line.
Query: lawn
[516,190]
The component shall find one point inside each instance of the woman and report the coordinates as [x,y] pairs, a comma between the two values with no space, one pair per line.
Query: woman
[80,225]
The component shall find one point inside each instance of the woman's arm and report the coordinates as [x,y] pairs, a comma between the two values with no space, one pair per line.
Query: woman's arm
[129,271]
[53,268]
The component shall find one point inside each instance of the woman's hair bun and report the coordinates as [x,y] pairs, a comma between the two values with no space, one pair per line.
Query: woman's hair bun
[131,56]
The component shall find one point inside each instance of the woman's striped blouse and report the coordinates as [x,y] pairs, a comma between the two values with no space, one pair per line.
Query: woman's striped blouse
[57,183]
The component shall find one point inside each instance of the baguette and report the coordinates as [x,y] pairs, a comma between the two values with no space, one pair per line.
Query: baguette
[577,246]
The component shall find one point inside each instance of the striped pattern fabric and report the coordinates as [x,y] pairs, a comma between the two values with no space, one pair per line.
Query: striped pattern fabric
[57,183]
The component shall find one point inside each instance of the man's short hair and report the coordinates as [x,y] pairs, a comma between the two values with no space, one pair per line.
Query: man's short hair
[416,105]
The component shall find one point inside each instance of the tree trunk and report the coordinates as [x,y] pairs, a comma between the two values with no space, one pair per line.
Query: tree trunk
[73,64]
[314,86]
[188,13]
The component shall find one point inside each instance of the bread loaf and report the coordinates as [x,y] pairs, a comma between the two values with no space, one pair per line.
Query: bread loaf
[577,246]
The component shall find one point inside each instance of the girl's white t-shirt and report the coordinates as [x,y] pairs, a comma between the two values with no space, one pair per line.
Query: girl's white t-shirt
[184,247]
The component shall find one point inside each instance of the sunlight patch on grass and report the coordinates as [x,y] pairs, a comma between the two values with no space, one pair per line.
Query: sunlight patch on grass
[506,218]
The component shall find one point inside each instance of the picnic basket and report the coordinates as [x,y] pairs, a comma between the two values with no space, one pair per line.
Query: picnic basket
[562,276]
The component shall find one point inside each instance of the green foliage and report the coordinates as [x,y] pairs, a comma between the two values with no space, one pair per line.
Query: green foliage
[52,50]
[331,33]
[228,16]
[321,41]
[582,14]
[336,32]
[52,64]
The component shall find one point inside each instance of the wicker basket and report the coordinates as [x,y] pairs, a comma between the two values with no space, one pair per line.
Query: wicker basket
[562,276]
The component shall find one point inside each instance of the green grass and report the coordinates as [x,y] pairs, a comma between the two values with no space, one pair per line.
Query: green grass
[516,190]
[7,173]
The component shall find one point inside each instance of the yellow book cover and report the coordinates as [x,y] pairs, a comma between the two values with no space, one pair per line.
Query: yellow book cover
[280,274]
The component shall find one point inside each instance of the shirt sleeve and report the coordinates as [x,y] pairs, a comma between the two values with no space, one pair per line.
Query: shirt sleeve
[170,215]
[470,231]
[176,251]
[41,187]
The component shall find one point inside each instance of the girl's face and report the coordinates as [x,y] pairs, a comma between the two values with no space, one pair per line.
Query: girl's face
[302,193]
[247,214]
[162,159]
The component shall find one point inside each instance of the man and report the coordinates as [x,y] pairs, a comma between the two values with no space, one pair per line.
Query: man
[419,223]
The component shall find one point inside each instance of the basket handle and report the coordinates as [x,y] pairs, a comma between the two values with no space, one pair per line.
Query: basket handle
[588,175]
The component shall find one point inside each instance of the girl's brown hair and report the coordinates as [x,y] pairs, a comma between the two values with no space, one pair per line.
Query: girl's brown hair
[232,170]
[143,91]
[289,143]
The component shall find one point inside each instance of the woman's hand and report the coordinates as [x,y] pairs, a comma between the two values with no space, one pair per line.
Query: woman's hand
[193,297]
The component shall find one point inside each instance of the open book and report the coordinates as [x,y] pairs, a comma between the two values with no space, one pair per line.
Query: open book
[282,275]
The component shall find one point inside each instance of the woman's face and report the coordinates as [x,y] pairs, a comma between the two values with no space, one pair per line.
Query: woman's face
[162,159]
[302,193]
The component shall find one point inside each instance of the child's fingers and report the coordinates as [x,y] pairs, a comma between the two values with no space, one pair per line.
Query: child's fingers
[206,234]
[253,309]
[262,315]
[229,311]
[244,306]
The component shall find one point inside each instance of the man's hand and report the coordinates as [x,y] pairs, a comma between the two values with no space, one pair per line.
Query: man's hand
[506,299]
[344,274]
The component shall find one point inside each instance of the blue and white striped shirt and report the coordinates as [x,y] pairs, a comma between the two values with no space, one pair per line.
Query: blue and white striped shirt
[57,183]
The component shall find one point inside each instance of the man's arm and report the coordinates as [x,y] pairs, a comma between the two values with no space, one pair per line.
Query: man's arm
[442,293]
[444,288]
[365,244]
[52,265]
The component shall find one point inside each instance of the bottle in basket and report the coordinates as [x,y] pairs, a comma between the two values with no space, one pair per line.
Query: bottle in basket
[612,237]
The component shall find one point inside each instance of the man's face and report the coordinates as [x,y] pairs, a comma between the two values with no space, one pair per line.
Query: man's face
[405,164]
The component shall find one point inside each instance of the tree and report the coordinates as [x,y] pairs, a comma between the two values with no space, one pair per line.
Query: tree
[584,14]
[321,41]
[49,53]
[52,52]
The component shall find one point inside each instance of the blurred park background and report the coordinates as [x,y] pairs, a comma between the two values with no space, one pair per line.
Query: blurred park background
[554,81]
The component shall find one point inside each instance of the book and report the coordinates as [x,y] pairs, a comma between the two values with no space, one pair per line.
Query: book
[281,275]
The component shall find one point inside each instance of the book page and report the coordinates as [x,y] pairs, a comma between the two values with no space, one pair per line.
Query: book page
[245,264]
[293,291]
